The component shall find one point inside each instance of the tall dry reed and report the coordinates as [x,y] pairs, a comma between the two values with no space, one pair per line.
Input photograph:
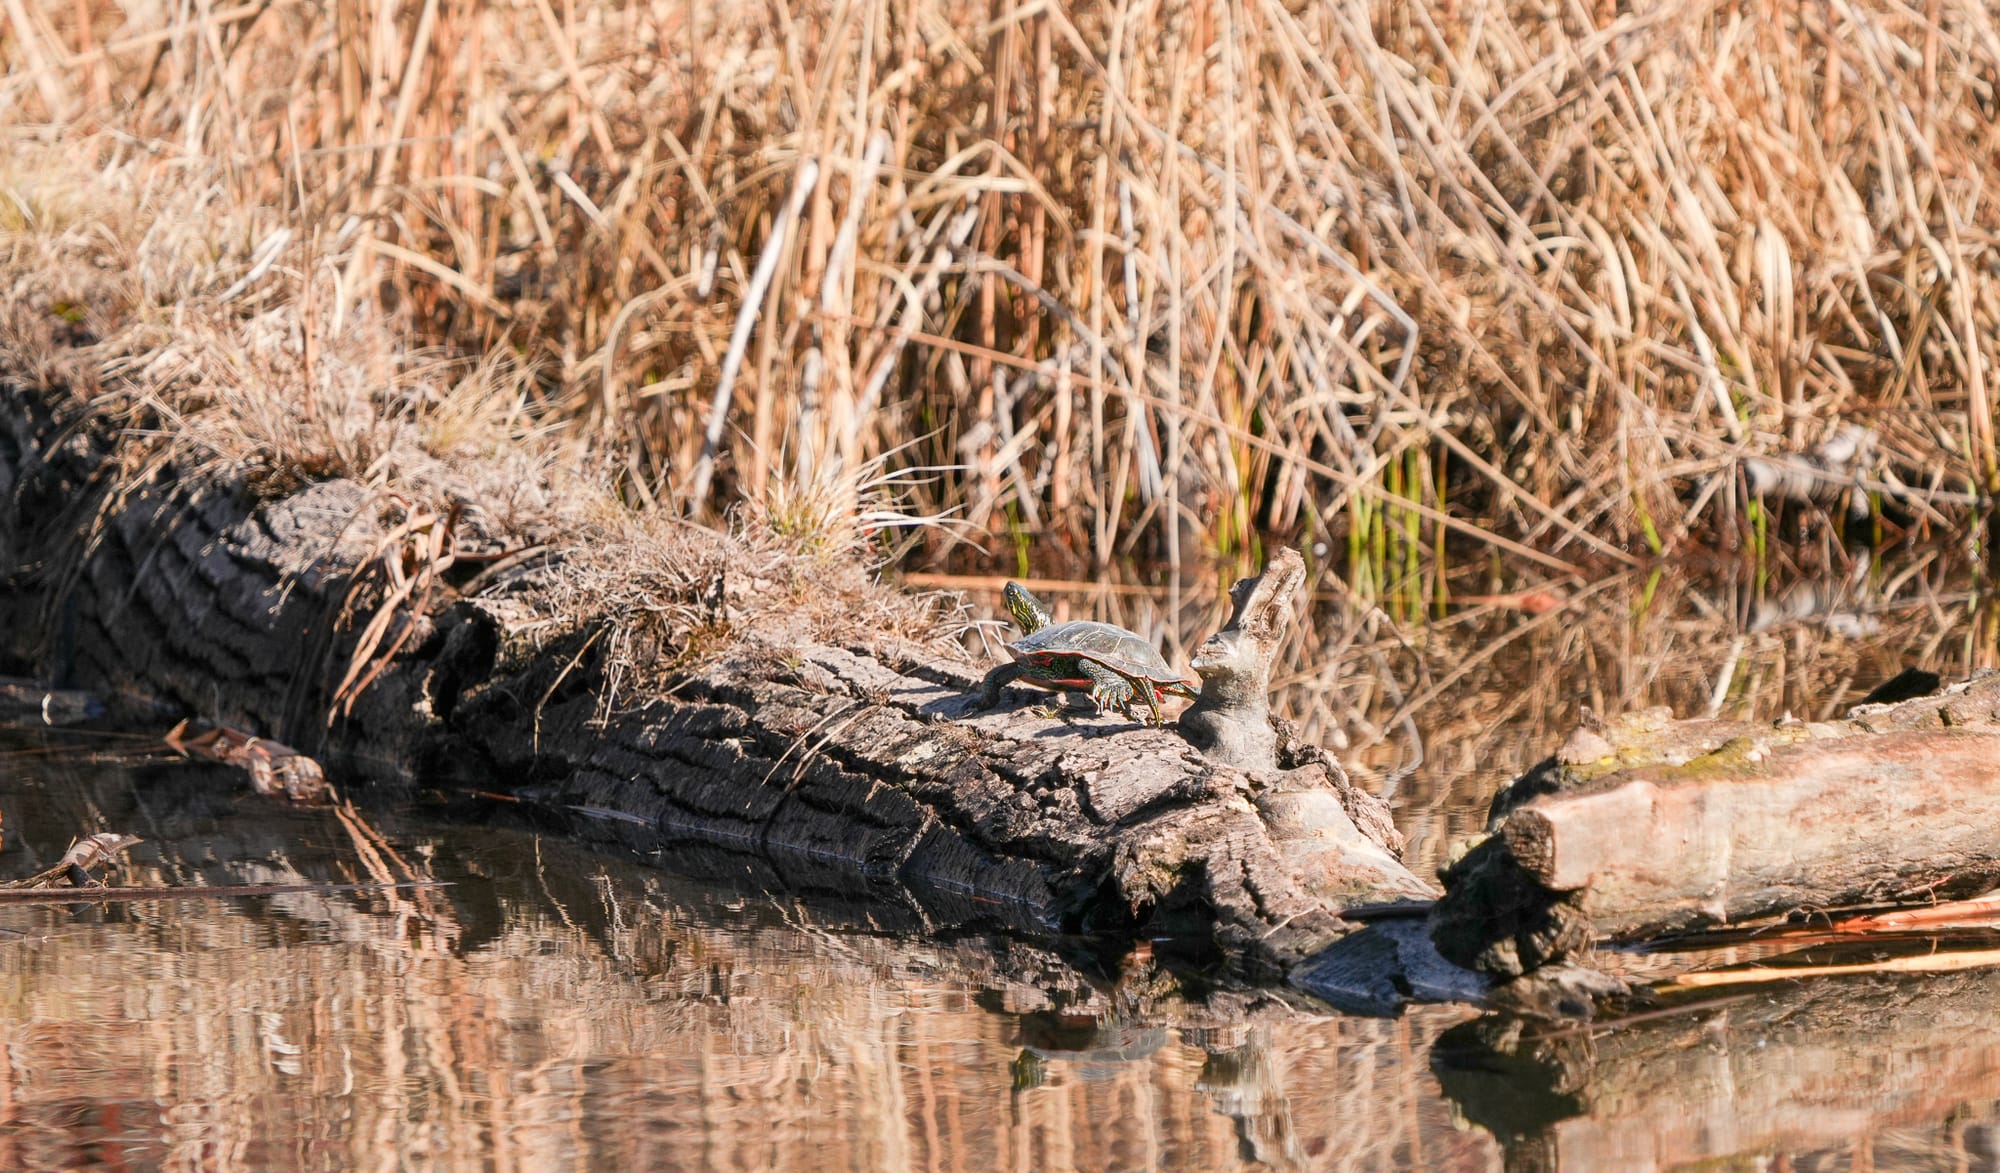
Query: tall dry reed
[1158,276]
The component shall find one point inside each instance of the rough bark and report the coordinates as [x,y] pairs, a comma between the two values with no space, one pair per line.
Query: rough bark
[1230,721]
[849,769]
[1649,826]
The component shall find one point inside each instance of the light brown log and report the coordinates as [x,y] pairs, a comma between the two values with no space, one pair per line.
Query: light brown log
[1869,817]
[1648,827]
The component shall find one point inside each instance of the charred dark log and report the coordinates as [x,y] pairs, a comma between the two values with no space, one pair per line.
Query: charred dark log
[851,768]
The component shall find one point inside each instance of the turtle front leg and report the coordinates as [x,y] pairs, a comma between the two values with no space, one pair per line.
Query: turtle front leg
[1109,689]
[989,689]
[1152,696]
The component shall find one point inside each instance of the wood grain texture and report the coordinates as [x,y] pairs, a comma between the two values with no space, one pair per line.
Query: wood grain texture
[1664,826]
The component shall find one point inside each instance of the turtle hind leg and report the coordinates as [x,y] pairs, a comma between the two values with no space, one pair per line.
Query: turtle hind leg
[1109,689]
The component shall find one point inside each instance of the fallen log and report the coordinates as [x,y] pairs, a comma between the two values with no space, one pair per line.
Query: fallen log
[622,959]
[1647,826]
[332,617]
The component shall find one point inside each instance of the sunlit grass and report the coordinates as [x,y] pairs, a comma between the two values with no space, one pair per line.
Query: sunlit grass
[1582,260]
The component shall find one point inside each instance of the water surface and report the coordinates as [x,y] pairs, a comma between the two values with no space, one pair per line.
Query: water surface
[558,1010]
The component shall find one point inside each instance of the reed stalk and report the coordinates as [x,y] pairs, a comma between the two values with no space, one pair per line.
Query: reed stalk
[1585,258]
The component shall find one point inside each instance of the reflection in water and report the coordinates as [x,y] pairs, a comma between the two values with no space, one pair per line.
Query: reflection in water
[1847,1073]
[557,1009]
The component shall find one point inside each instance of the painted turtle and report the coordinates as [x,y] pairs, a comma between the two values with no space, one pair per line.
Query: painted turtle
[1114,666]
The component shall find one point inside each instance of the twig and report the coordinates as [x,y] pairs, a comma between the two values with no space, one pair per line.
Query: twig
[739,338]
[193,892]
[1950,962]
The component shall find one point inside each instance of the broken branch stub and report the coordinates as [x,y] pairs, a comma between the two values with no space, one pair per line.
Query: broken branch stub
[1230,722]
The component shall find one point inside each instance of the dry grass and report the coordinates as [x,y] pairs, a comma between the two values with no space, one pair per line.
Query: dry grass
[667,597]
[1161,275]
[1401,283]
[149,297]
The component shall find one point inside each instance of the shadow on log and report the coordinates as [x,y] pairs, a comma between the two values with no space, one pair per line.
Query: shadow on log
[853,767]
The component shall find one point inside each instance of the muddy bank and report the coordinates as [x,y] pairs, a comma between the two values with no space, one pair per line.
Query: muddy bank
[330,616]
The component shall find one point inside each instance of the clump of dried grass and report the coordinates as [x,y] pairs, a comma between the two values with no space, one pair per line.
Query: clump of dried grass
[1534,276]
[668,598]
[155,301]
[131,287]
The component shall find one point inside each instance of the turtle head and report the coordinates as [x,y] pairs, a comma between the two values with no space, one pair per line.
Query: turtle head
[1030,613]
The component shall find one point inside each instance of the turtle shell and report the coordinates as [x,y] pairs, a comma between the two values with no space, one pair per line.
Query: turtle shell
[1114,647]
